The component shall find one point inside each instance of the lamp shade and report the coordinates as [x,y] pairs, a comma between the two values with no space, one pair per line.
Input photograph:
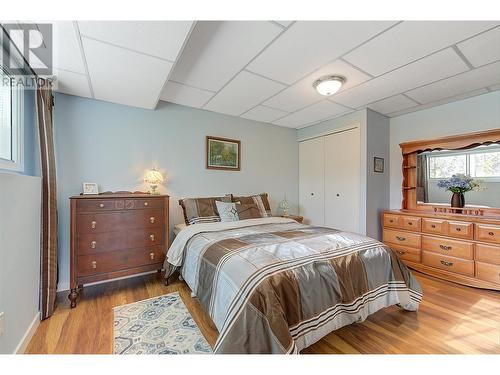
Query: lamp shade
[153,176]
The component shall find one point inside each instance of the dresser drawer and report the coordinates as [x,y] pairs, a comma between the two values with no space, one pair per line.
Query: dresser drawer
[456,265]
[487,253]
[392,221]
[488,272]
[402,238]
[110,241]
[448,247]
[488,233]
[435,226]
[93,264]
[111,221]
[406,253]
[99,205]
[460,229]
[411,223]
[141,204]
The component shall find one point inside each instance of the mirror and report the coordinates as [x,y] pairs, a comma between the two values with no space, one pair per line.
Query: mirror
[481,163]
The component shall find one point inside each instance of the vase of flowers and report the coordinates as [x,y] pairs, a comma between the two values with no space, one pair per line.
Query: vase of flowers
[458,184]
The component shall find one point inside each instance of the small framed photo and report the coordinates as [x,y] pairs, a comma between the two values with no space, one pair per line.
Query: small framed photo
[378,165]
[223,153]
[90,188]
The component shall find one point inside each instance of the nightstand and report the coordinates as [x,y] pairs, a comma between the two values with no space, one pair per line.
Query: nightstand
[297,218]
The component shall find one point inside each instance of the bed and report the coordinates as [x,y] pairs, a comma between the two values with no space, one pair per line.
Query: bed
[272,285]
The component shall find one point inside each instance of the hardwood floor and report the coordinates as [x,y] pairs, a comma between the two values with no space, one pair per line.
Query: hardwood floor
[452,319]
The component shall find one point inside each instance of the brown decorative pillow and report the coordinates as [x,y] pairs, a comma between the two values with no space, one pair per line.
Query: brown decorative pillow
[260,200]
[248,211]
[202,210]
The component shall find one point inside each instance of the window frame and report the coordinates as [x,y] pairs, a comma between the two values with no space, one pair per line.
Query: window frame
[16,164]
[467,154]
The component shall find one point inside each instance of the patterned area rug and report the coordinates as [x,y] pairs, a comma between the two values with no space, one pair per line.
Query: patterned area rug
[159,325]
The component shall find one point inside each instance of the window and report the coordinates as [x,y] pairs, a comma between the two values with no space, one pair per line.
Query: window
[11,132]
[481,162]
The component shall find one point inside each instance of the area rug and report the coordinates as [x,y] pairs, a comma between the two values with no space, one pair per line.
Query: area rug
[159,325]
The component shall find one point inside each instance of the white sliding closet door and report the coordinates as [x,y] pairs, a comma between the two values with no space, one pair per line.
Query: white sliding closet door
[312,181]
[342,180]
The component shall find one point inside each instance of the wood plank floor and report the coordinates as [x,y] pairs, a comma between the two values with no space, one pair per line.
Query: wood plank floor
[452,319]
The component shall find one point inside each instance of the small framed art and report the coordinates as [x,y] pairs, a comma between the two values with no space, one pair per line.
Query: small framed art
[378,165]
[90,188]
[223,154]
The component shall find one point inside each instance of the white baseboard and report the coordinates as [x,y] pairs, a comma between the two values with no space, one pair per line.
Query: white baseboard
[28,335]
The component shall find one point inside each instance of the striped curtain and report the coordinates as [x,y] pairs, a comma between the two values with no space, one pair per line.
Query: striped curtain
[48,235]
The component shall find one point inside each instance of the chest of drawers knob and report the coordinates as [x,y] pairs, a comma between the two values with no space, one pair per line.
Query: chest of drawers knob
[145,203]
[93,244]
[152,219]
[433,226]
[400,252]
[101,205]
[94,264]
[399,238]
[447,264]
[152,256]
[491,233]
[93,225]
[444,247]
[152,237]
[458,229]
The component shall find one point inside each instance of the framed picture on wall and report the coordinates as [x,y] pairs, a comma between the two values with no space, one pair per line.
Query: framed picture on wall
[223,154]
[378,165]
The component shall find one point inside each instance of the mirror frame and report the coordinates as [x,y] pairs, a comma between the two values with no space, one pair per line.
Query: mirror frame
[456,142]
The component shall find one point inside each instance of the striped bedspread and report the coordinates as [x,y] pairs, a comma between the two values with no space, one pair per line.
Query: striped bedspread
[272,285]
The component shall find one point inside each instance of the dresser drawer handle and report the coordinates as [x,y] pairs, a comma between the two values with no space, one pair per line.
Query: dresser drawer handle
[93,224]
[94,264]
[400,252]
[433,226]
[399,238]
[145,203]
[491,233]
[152,220]
[444,247]
[93,244]
[391,221]
[410,223]
[458,229]
[447,264]
[152,256]
[152,237]
[101,205]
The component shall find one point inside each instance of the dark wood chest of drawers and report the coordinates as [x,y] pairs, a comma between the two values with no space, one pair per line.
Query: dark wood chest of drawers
[115,235]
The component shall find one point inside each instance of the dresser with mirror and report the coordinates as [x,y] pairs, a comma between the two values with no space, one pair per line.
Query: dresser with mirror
[441,230]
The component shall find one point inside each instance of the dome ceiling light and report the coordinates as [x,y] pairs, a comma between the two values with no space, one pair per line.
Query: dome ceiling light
[329,85]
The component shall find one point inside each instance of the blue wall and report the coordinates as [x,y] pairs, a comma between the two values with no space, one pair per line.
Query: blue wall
[113,145]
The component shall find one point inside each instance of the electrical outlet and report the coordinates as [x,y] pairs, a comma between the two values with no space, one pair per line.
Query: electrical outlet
[2,323]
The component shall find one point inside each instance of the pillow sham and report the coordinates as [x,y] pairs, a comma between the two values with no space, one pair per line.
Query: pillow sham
[261,200]
[227,211]
[248,211]
[202,210]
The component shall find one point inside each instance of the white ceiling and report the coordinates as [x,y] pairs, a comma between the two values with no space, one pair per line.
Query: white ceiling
[264,70]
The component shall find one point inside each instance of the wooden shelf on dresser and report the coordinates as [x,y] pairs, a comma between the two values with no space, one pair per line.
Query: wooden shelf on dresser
[460,248]
[115,235]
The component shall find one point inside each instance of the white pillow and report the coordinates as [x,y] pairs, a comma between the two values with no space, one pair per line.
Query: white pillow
[227,211]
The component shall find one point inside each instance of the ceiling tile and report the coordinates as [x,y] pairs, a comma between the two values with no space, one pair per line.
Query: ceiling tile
[163,39]
[245,91]
[315,112]
[440,65]
[392,104]
[302,93]
[123,76]
[472,80]
[307,45]
[265,114]
[439,102]
[217,50]
[185,95]
[67,54]
[482,49]
[72,83]
[284,23]
[411,40]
